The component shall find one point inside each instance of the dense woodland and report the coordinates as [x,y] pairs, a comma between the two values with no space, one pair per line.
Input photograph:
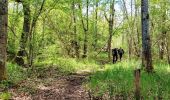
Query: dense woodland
[64,49]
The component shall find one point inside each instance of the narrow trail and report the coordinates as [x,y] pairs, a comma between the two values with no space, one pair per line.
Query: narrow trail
[68,87]
[64,88]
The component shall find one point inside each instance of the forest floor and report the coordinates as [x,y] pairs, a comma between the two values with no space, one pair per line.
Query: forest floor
[51,86]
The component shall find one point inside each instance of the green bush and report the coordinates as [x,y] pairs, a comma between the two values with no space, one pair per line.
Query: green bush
[15,73]
[5,96]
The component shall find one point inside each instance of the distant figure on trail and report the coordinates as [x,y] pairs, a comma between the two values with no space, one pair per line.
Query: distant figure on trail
[120,52]
[115,55]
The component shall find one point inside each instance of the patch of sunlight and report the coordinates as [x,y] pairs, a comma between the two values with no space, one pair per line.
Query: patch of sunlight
[168,69]
[42,87]
[125,65]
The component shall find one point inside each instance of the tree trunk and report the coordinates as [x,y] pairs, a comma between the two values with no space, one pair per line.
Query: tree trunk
[110,39]
[24,36]
[163,33]
[3,37]
[146,43]
[130,28]
[137,29]
[85,45]
[96,23]
[130,46]
[85,28]
[168,47]
[162,46]
[137,83]
[31,36]
[110,22]
[86,31]
[76,44]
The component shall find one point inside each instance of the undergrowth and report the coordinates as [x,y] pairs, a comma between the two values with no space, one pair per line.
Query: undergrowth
[118,79]
[69,65]
[15,74]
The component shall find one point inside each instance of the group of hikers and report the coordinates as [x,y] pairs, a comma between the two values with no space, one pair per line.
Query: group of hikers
[117,53]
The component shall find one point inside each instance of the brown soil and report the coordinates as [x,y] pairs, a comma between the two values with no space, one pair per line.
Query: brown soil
[69,87]
[64,88]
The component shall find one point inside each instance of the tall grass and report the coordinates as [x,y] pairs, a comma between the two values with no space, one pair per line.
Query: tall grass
[118,79]
[69,65]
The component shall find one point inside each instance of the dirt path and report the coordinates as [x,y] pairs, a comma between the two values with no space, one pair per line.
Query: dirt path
[64,88]
[68,87]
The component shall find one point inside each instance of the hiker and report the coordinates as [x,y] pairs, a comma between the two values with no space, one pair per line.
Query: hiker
[120,52]
[115,55]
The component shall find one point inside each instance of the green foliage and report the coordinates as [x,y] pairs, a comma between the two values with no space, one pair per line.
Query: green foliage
[69,65]
[5,96]
[112,80]
[54,32]
[119,79]
[15,73]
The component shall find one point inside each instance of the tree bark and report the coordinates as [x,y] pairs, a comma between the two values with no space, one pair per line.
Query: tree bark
[85,28]
[75,44]
[146,43]
[86,31]
[24,36]
[137,83]
[110,39]
[137,29]
[32,35]
[3,37]
[111,23]
[130,28]
[168,47]
[163,33]
[96,23]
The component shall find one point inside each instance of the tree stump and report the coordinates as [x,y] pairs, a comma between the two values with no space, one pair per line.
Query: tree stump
[137,83]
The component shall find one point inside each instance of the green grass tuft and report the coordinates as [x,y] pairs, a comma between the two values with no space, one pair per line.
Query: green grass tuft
[118,79]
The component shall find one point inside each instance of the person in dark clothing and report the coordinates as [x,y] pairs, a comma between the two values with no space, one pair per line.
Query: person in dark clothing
[120,52]
[115,54]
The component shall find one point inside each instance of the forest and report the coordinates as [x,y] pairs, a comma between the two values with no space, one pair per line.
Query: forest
[84,49]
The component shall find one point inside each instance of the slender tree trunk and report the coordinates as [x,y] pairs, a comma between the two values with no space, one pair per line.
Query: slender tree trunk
[75,44]
[85,28]
[3,37]
[111,23]
[24,36]
[162,46]
[146,42]
[86,31]
[163,33]
[168,47]
[130,46]
[96,23]
[43,33]
[130,28]
[31,36]
[137,29]
[110,39]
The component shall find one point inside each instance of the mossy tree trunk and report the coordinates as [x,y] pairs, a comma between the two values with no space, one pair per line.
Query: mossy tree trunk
[26,30]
